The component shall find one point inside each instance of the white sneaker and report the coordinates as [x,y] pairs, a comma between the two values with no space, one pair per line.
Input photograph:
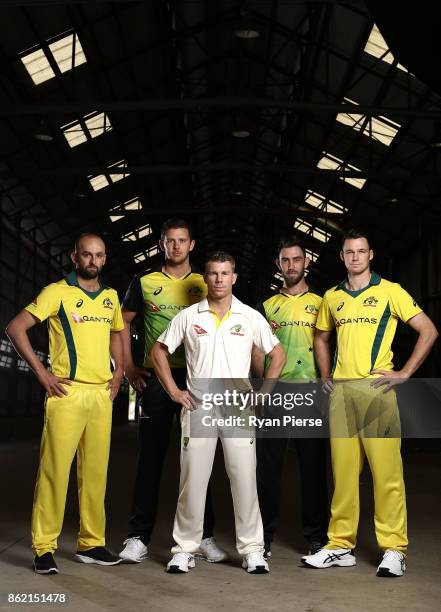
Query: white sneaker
[254,563]
[327,557]
[210,551]
[392,565]
[134,550]
[180,563]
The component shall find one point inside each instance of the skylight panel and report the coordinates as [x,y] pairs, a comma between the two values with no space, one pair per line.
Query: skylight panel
[154,250]
[38,67]
[313,256]
[133,204]
[96,124]
[315,232]
[377,46]
[141,232]
[66,52]
[103,180]
[381,129]
[330,162]
[319,201]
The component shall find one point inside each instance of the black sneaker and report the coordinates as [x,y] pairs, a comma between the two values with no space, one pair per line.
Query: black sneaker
[98,555]
[315,546]
[267,551]
[45,564]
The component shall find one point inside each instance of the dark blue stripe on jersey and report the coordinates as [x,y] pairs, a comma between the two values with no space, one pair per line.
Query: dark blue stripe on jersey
[379,335]
[69,341]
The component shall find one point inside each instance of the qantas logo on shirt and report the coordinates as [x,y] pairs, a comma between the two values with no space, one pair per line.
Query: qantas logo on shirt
[370,301]
[340,322]
[237,330]
[151,306]
[76,317]
[275,325]
[86,319]
[200,331]
[283,324]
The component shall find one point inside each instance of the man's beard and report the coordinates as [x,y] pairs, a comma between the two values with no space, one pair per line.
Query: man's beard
[88,274]
[290,281]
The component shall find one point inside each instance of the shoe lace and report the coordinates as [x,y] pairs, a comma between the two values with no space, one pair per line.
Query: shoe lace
[178,557]
[133,541]
[210,543]
[393,553]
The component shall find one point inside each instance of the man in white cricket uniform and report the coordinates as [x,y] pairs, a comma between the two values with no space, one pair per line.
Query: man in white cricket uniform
[218,334]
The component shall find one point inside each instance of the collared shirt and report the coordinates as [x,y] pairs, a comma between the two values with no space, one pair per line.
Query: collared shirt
[159,297]
[293,318]
[218,351]
[79,324]
[365,321]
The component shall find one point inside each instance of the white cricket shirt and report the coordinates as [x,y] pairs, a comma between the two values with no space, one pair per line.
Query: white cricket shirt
[222,351]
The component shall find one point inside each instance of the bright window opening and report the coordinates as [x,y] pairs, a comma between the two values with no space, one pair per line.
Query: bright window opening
[330,162]
[103,180]
[133,204]
[67,52]
[310,230]
[92,125]
[141,232]
[381,129]
[376,46]
[319,201]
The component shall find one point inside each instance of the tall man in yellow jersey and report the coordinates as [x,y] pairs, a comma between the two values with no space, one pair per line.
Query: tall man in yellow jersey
[364,309]
[158,296]
[292,313]
[84,319]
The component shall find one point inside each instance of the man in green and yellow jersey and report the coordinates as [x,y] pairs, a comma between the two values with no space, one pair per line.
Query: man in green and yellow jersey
[292,313]
[158,296]
[84,319]
[364,310]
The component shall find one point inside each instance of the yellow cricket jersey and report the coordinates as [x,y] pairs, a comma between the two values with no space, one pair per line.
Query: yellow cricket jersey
[159,297]
[292,318]
[79,324]
[365,322]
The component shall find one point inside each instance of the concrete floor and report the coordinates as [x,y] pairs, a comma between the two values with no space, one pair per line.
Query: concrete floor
[146,586]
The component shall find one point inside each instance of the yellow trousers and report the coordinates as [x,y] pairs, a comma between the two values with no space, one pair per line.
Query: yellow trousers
[77,423]
[371,421]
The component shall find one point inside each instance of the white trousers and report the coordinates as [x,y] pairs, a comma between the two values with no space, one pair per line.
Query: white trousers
[197,455]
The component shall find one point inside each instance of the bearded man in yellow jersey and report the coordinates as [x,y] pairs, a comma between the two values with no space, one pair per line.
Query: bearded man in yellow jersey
[84,319]
[292,313]
[158,296]
[364,309]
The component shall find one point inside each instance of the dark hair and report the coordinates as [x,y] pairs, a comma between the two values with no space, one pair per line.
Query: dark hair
[353,234]
[221,256]
[290,241]
[176,223]
[83,235]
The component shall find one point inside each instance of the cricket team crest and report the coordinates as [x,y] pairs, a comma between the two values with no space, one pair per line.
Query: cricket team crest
[237,330]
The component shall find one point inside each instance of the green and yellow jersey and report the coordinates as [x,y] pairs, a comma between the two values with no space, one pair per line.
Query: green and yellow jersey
[292,318]
[79,324]
[365,322]
[158,297]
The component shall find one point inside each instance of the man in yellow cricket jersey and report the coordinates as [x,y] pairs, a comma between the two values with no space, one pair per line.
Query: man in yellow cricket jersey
[364,309]
[84,318]
[158,296]
[292,313]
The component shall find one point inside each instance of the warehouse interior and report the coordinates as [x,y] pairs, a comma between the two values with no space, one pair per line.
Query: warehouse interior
[251,119]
